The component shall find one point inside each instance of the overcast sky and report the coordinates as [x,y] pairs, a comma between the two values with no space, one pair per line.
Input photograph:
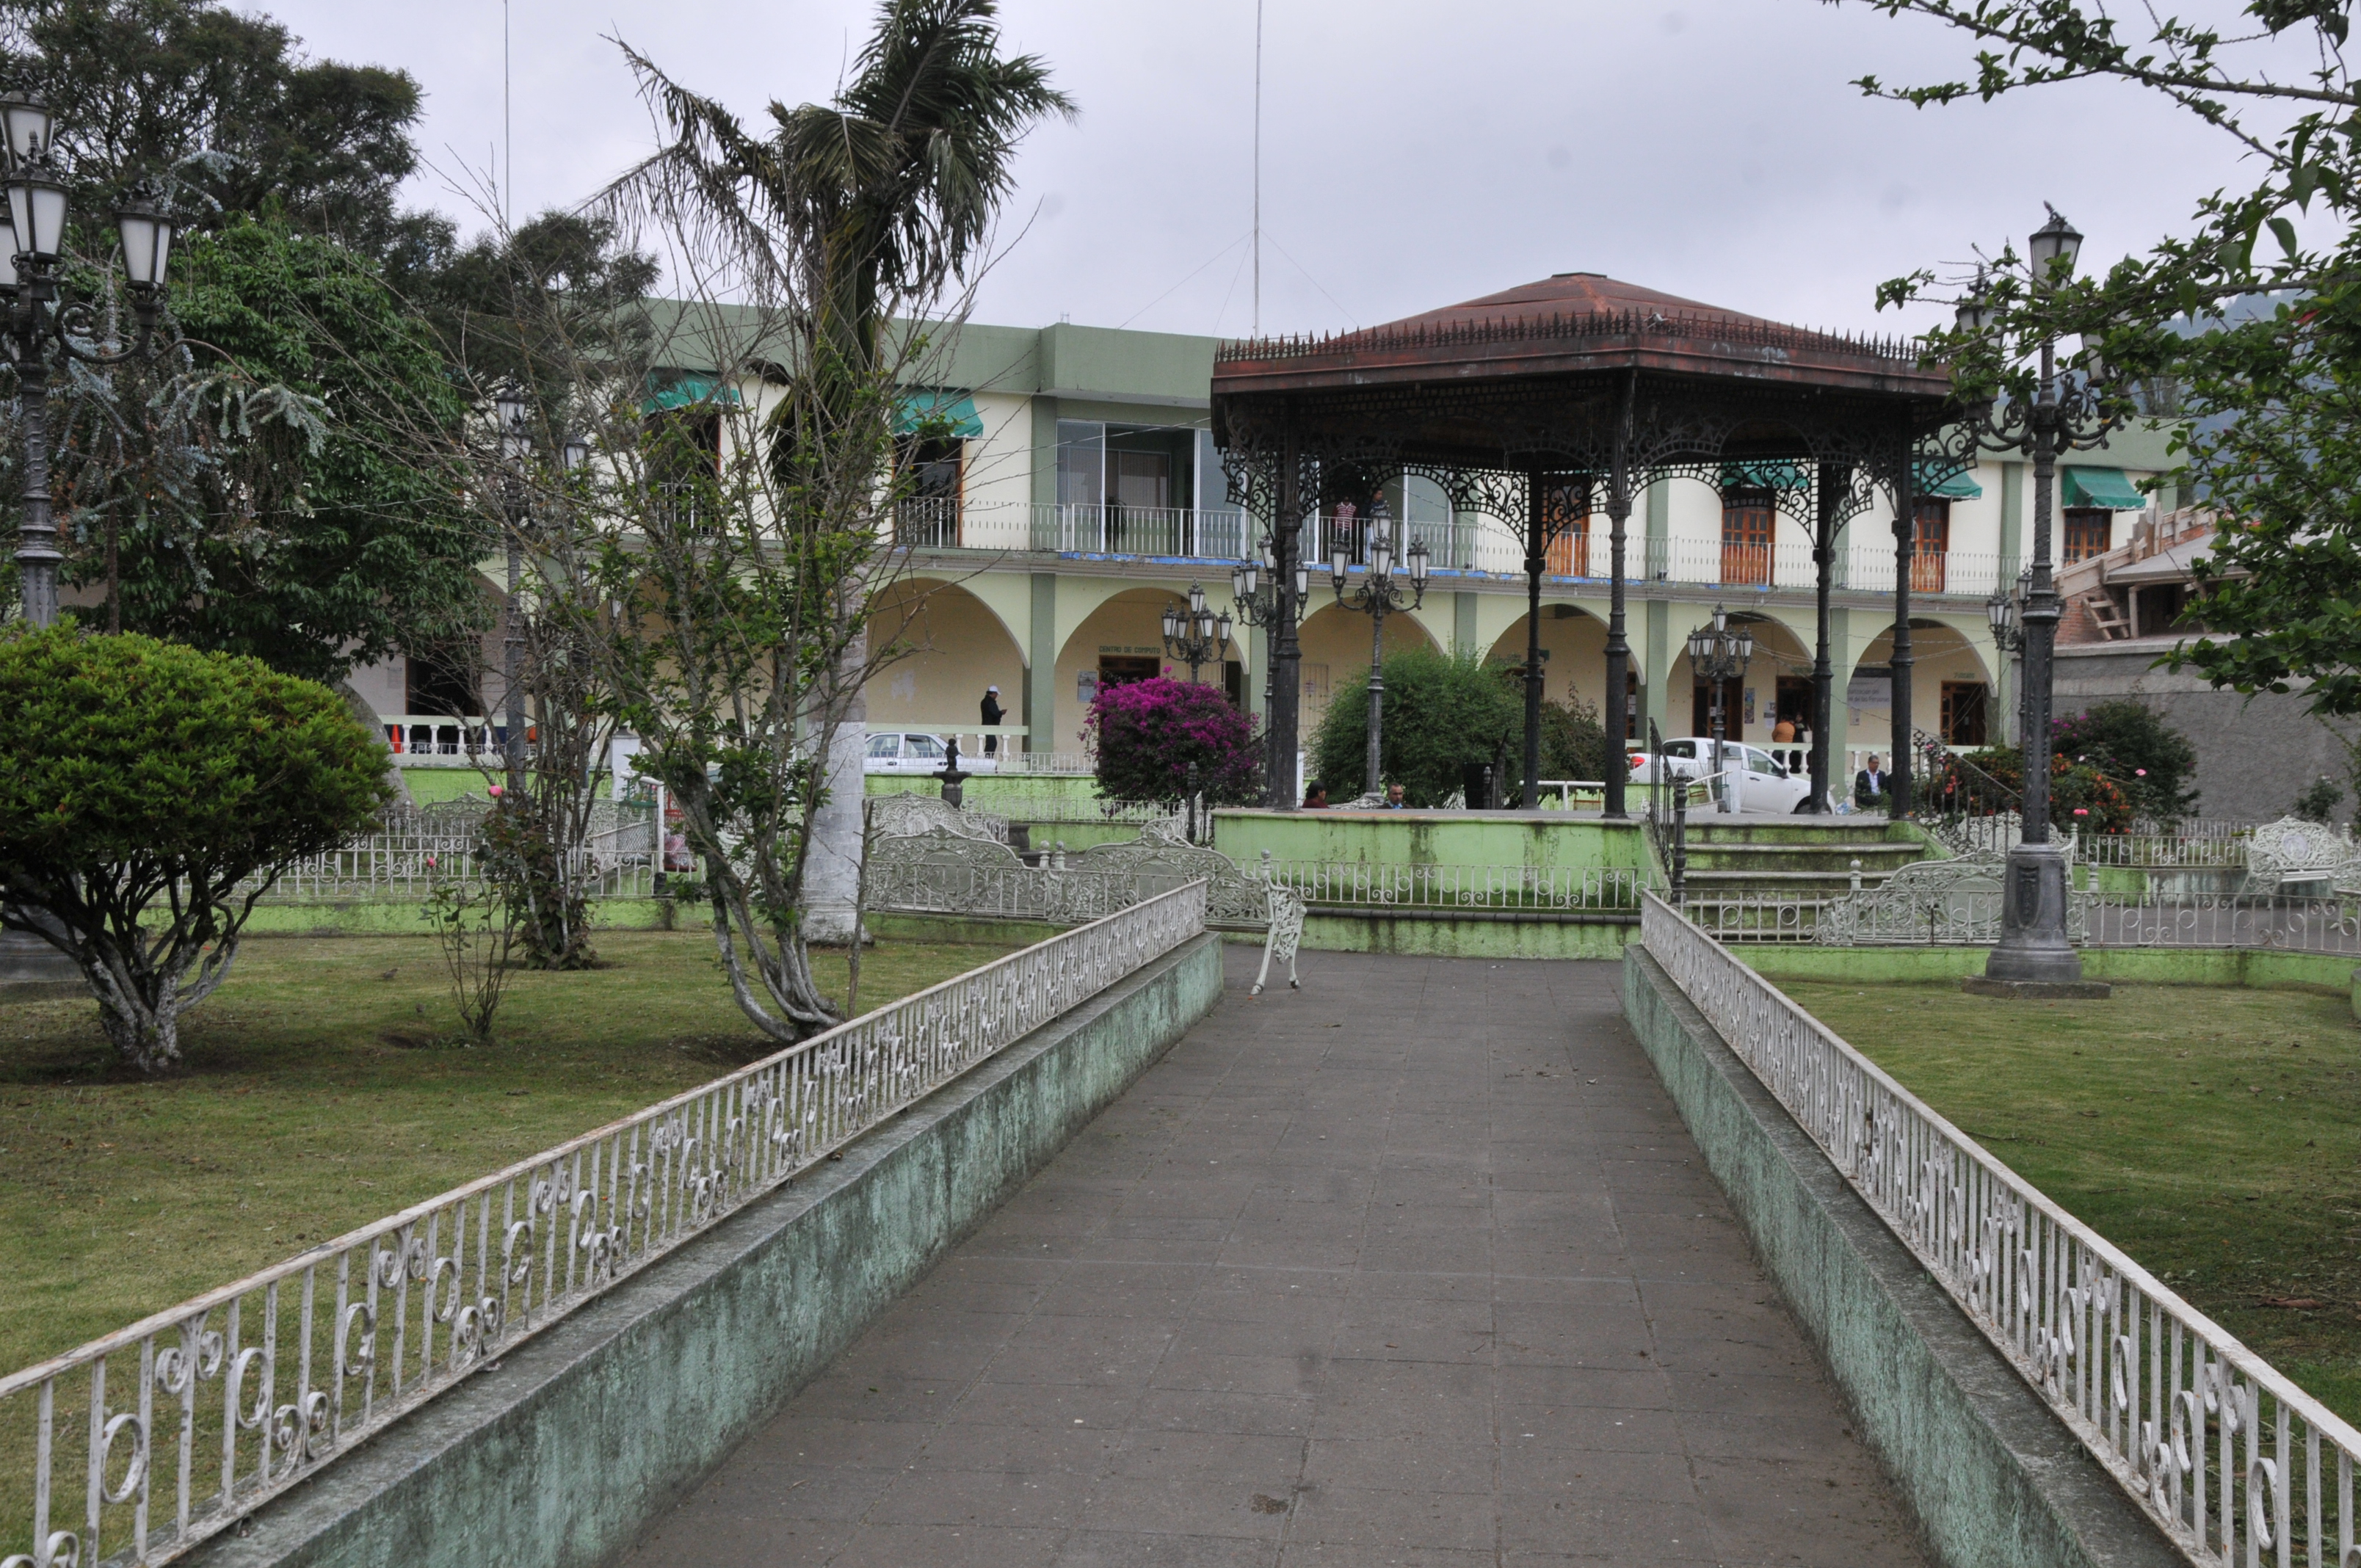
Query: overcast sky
[1414,154]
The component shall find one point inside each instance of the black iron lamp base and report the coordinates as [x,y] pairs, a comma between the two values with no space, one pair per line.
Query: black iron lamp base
[2033,951]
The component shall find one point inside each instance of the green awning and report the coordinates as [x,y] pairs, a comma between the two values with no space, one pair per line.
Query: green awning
[687,391]
[1951,486]
[2105,488]
[950,412]
[1772,475]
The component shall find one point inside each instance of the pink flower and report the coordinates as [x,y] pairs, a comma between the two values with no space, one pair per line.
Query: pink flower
[2081,811]
[430,862]
[2141,771]
[496,792]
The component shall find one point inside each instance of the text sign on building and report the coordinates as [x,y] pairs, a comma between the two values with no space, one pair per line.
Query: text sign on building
[1871,686]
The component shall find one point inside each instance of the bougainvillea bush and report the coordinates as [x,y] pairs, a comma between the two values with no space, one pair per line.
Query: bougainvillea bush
[1144,734]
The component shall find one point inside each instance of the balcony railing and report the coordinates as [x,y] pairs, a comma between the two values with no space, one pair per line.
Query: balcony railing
[1470,545]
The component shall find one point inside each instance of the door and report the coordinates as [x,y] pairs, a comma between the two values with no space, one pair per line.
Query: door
[1746,538]
[1122,669]
[1139,515]
[1963,713]
[1733,709]
[1930,543]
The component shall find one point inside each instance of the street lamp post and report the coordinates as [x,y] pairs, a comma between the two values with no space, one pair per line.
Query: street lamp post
[1718,653]
[1376,598]
[1195,637]
[30,254]
[511,411]
[2064,414]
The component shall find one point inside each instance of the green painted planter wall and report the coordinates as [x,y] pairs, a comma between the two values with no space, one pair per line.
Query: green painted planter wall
[1537,838]
[564,1450]
[2131,966]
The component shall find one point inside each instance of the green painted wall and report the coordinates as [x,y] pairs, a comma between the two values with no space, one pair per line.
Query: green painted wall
[1446,936]
[1995,1479]
[578,1439]
[2130,966]
[1429,838]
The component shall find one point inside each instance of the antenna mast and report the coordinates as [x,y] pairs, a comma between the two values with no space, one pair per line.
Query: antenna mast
[1257,173]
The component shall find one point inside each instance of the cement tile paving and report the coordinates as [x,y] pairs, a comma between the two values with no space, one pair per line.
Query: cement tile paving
[1460,1294]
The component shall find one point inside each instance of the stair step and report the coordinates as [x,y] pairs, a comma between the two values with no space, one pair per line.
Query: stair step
[1769,880]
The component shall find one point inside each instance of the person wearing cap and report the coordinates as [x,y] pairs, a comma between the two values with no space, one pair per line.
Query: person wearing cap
[992,714]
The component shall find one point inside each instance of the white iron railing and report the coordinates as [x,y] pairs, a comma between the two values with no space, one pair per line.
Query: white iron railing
[395,867]
[2227,1455]
[1464,543]
[2198,851]
[1406,886]
[142,1444]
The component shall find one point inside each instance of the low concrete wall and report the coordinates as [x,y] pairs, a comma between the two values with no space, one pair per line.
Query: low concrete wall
[1470,933]
[562,1452]
[2257,967]
[1995,1479]
[1536,838]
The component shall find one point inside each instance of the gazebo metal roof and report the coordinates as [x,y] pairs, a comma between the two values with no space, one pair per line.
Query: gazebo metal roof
[1581,384]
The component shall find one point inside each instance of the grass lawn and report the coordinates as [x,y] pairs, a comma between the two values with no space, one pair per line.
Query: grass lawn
[317,1097]
[2214,1134]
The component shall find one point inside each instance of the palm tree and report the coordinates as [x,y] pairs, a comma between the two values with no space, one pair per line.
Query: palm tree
[887,191]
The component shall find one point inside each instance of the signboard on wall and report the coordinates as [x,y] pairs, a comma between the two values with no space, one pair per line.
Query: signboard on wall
[1871,686]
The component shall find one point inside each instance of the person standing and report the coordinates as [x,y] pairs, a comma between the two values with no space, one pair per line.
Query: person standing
[992,714]
[1870,784]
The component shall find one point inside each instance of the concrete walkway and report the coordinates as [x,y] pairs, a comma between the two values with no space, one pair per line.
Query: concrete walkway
[1414,1267]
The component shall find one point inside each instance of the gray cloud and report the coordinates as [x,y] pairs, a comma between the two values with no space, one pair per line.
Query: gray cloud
[1413,154]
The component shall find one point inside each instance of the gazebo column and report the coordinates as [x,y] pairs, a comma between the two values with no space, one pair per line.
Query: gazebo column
[1534,524]
[1617,708]
[1829,495]
[1905,531]
[1286,652]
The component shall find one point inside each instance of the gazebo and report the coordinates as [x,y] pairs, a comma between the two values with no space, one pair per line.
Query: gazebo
[1534,404]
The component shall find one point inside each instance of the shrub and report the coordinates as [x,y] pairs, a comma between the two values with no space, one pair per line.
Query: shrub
[2083,798]
[1444,713]
[2149,758]
[2318,802]
[149,793]
[1146,734]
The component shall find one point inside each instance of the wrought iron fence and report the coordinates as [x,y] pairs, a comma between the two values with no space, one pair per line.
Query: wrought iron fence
[1021,805]
[2223,1452]
[142,1444]
[1755,917]
[2331,925]
[395,867]
[2192,851]
[1360,882]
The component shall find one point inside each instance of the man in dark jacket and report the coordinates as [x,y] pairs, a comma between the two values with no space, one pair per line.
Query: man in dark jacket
[1870,784]
[992,714]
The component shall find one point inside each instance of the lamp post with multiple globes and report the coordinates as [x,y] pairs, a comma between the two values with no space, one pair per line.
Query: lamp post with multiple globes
[40,322]
[2066,412]
[1195,636]
[1376,598]
[1718,654]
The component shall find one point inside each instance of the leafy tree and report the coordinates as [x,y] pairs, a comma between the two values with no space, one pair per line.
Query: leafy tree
[148,795]
[2317,803]
[2131,743]
[1148,735]
[1444,712]
[1574,741]
[287,487]
[2244,323]
[220,104]
[520,305]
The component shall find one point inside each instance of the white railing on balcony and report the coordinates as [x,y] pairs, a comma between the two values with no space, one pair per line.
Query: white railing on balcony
[1462,545]
[2223,1452]
[142,1444]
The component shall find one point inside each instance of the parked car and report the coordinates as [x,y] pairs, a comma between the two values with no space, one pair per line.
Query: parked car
[902,752]
[1766,783]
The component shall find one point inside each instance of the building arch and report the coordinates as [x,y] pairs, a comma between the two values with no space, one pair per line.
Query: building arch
[1947,660]
[1776,679]
[1122,636]
[956,644]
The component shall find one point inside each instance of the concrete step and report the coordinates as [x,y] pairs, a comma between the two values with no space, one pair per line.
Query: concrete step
[1754,880]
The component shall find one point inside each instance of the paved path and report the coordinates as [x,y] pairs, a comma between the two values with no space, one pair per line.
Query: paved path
[1417,1265]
